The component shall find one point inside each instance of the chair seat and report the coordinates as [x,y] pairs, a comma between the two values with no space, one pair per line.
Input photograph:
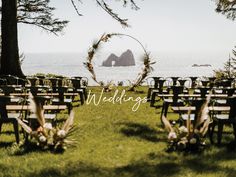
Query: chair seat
[170,100]
[66,100]
[70,90]
[79,90]
[222,101]
[46,116]
[13,115]
[185,117]
[218,91]
[16,100]
[155,91]
[222,116]
[197,91]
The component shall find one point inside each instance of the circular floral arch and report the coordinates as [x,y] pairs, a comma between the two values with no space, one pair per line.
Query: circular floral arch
[105,38]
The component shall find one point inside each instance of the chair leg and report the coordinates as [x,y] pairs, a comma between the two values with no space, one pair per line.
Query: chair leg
[234,126]
[0,127]
[69,106]
[219,133]
[85,94]
[26,138]
[164,110]
[152,101]
[211,132]
[16,130]
[149,94]
[81,98]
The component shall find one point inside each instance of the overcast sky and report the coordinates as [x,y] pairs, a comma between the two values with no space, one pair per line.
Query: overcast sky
[161,25]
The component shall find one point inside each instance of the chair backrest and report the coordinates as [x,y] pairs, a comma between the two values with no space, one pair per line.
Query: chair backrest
[231,101]
[7,90]
[41,80]
[84,81]
[76,82]
[54,82]
[182,82]
[3,81]
[230,91]
[176,91]
[197,103]
[156,83]
[161,84]
[193,81]
[41,100]
[32,81]
[224,83]
[204,91]
[205,82]
[22,82]
[3,102]
[61,91]
[60,82]
[11,80]
[174,80]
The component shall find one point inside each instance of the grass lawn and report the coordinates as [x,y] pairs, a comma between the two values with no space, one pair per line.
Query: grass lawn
[112,140]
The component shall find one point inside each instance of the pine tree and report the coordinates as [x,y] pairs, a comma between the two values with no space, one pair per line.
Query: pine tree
[34,12]
[40,14]
[229,69]
[233,62]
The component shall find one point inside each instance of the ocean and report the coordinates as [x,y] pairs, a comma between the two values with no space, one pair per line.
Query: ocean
[167,65]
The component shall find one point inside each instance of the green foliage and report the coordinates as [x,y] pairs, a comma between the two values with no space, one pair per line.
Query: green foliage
[229,69]
[227,7]
[40,14]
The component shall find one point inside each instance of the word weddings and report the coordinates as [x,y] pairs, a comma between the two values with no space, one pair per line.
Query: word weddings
[122,98]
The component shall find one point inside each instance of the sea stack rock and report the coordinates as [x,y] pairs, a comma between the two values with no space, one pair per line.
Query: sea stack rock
[109,60]
[126,59]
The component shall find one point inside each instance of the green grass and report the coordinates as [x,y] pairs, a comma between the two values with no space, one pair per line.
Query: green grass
[114,141]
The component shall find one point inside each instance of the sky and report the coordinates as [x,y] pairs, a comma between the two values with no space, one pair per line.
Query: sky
[161,25]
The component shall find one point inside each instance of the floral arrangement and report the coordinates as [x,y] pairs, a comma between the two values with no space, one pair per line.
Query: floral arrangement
[189,137]
[46,135]
[105,38]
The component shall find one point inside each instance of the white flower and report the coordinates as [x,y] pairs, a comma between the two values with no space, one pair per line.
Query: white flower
[193,141]
[172,135]
[61,133]
[47,126]
[42,139]
[196,131]
[183,129]
[184,139]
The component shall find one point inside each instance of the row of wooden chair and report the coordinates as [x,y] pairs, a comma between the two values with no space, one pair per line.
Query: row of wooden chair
[54,94]
[158,84]
[221,114]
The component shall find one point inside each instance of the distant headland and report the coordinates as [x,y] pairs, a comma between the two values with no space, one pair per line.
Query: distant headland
[125,59]
[202,65]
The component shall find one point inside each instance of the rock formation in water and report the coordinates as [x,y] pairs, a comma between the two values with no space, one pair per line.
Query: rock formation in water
[126,59]
[109,60]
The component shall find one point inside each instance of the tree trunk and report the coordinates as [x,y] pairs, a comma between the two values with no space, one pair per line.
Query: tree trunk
[10,63]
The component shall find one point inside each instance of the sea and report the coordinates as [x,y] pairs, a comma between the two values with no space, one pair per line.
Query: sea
[168,64]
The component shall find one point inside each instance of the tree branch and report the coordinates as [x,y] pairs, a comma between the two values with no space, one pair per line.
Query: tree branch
[107,9]
[40,14]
